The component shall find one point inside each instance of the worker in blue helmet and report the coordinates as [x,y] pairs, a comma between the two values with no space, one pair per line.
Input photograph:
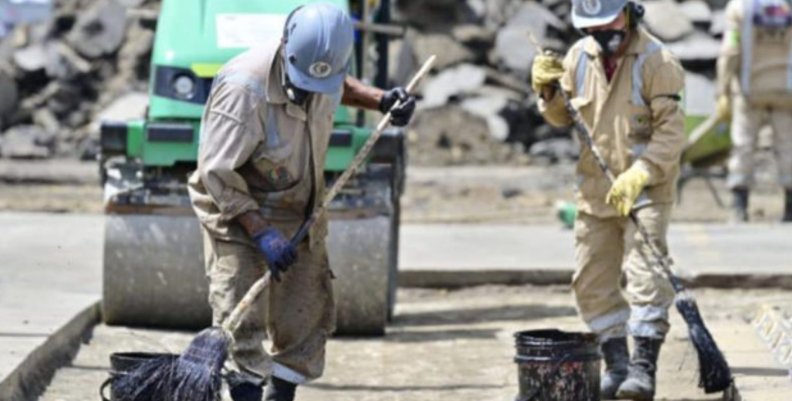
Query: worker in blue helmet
[627,88]
[265,133]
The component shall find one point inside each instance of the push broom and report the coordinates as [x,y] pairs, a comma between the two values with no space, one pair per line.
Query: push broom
[714,372]
[196,375]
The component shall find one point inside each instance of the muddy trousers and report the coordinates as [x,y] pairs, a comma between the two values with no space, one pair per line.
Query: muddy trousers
[610,249]
[745,127]
[297,314]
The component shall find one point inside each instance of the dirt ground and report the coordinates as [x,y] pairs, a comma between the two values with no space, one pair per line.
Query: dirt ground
[494,194]
[442,345]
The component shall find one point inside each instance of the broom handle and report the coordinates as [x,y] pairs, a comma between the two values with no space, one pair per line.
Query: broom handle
[235,318]
[584,133]
[359,158]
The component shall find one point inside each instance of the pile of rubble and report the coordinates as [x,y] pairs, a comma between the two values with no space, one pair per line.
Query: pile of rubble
[58,75]
[478,107]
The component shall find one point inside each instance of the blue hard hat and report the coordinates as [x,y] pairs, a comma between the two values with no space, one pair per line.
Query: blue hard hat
[319,40]
[589,13]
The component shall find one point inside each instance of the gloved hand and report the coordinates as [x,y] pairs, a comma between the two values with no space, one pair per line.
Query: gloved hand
[626,188]
[723,108]
[546,69]
[278,251]
[400,116]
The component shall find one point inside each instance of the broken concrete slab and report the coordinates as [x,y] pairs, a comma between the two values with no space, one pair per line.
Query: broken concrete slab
[699,95]
[666,19]
[698,12]
[449,52]
[696,47]
[465,78]
[27,142]
[489,108]
[513,46]
[99,30]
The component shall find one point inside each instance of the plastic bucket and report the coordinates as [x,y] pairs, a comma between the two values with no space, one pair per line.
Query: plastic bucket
[121,363]
[557,366]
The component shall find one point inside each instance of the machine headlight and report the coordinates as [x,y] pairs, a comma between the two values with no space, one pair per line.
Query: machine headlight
[184,86]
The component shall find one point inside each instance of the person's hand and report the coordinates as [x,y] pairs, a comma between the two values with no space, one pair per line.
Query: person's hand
[626,188]
[278,251]
[401,115]
[546,70]
[723,108]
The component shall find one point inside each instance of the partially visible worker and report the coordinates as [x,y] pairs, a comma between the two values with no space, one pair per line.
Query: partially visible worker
[627,88]
[755,89]
[265,134]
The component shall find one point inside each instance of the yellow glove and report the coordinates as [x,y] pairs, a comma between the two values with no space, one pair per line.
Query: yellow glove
[626,188]
[723,109]
[545,70]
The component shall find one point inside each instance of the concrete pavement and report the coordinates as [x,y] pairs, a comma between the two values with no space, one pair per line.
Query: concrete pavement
[50,280]
[716,255]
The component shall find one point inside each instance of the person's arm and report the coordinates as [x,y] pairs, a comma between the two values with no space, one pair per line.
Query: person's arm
[728,65]
[357,94]
[227,142]
[551,104]
[663,152]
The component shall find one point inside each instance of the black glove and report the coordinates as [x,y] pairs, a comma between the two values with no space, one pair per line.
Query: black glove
[400,116]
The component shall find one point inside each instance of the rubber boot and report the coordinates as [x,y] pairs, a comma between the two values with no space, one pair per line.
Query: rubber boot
[640,383]
[244,387]
[740,205]
[787,207]
[617,358]
[280,390]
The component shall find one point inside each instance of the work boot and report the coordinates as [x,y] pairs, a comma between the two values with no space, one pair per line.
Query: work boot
[740,205]
[617,358]
[640,383]
[787,207]
[245,387]
[280,390]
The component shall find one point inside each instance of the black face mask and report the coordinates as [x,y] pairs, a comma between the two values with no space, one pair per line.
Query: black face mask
[609,40]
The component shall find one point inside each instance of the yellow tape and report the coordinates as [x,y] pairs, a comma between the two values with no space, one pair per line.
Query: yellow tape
[206,70]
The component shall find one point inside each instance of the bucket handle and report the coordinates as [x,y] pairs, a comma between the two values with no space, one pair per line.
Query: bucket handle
[104,386]
[556,370]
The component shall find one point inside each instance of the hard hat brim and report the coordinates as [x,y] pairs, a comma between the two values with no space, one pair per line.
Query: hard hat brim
[328,86]
[581,22]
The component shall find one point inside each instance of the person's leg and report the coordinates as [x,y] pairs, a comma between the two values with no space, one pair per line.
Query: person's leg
[650,296]
[232,268]
[746,122]
[596,286]
[781,121]
[301,317]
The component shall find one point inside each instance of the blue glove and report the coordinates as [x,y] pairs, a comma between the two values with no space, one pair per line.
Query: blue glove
[401,115]
[278,251]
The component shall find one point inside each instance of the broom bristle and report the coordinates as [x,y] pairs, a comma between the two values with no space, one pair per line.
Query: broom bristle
[197,374]
[714,372]
[148,381]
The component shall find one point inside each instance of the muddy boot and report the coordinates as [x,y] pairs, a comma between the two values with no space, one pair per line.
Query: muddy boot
[617,358]
[739,205]
[787,207]
[280,390]
[640,383]
[244,387]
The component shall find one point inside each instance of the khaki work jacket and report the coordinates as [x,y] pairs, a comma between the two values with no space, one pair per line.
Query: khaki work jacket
[756,55]
[635,117]
[255,149]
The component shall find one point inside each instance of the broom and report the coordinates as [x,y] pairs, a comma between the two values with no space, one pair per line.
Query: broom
[714,372]
[196,375]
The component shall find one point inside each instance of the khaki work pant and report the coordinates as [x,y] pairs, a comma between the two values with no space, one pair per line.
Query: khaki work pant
[297,314]
[608,247]
[747,121]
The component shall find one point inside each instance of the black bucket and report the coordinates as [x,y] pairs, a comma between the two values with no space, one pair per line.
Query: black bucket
[557,366]
[121,363]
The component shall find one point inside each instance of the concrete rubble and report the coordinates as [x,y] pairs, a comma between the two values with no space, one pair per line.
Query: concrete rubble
[61,75]
[58,76]
[457,103]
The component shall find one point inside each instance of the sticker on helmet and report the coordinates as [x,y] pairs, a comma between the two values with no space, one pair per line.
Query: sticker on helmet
[591,7]
[320,69]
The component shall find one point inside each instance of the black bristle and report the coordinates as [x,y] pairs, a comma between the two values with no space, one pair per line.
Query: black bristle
[714,372]
[149,381]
